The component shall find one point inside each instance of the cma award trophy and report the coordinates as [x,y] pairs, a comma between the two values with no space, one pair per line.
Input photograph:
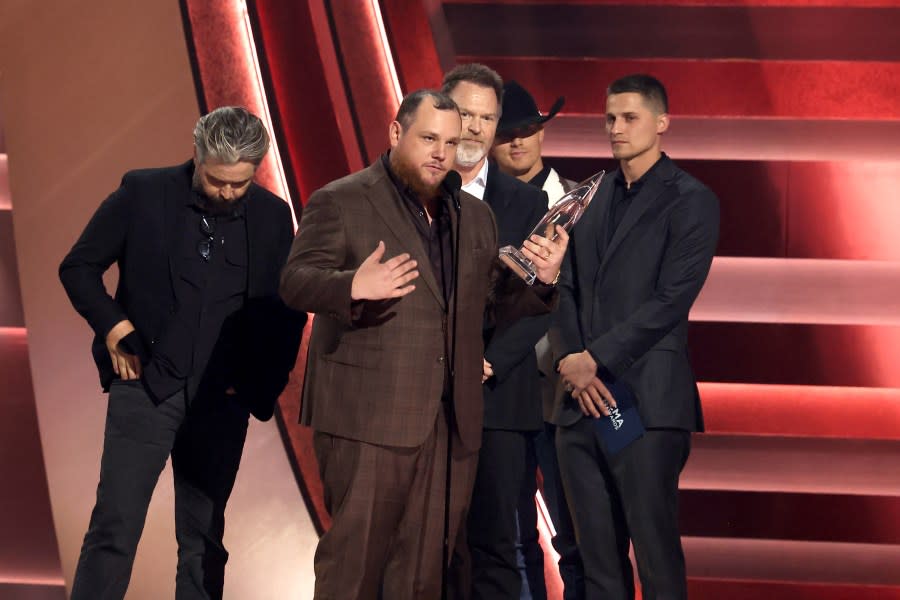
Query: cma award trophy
[564,213]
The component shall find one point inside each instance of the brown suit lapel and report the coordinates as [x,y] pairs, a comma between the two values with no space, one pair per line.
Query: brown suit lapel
[387,203]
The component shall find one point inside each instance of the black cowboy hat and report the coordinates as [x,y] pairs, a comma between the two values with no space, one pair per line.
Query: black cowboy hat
[520,110]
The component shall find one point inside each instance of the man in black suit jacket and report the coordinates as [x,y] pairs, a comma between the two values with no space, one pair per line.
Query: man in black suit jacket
[195,339]
[512,399]
[517,150]
[640,256]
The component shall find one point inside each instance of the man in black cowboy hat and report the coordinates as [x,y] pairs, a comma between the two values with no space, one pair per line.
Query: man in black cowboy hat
[520,139]
[517,149]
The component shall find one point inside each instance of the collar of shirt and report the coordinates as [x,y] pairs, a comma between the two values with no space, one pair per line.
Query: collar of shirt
[409,197]
[541,178]
[635,186]
[395,179]
[477,185]
[404,190]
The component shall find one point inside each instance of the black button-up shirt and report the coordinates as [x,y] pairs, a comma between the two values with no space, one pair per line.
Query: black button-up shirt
[540,178]
[436,236]
[207,293]
[623,194]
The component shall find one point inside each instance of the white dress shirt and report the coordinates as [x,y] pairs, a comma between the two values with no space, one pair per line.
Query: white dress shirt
[476,186]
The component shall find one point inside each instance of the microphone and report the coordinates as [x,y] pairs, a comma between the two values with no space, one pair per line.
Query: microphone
[451,185]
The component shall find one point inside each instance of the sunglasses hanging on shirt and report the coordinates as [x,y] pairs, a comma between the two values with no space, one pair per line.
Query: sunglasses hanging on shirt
[207,228]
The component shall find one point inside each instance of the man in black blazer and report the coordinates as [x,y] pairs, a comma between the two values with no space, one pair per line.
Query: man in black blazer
[512,398]
[640,256]
[195,339]
[517,150]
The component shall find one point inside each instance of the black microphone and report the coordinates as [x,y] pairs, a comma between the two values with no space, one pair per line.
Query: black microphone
[450,186]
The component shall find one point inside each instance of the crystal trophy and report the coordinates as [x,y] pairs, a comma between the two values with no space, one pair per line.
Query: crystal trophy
[564,213]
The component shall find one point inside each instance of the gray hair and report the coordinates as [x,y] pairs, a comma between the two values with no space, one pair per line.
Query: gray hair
[231,134]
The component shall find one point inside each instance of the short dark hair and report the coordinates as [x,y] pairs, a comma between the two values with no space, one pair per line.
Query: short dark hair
[474,73]
[407,112]
[650,88]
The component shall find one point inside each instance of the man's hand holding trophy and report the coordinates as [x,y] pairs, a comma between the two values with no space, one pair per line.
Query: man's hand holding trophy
[565,213]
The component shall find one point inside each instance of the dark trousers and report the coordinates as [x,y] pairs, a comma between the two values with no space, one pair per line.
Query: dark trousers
[570,568]
[631,497]
[530,553]
[387,510]
[205,442]
[493,522]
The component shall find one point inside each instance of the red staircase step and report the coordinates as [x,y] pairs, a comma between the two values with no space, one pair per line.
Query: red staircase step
[735,138]
[775,290]
[718,88]
[719,589]
[793,209]
[801,354]
[793,464]
[735,31]
[790,516]
[801,411]
[792,561]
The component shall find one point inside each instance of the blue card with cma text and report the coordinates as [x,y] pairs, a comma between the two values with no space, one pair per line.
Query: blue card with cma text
[623,425]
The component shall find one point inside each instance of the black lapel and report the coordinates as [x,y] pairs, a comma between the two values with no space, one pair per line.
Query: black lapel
[653,188]
[590,232]
[495,193]
[590,244]
[177,193]
[256,236]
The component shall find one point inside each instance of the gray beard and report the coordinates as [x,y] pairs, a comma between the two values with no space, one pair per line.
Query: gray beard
[468,156]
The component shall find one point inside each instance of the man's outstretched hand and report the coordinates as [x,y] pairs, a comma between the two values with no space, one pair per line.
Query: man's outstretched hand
[376,280]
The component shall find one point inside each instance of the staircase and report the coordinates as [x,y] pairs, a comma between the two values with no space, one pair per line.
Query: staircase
[789,111]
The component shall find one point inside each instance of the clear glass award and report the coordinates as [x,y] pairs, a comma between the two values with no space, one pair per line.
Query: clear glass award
[564,213]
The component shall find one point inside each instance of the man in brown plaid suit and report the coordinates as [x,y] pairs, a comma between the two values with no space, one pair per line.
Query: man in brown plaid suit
[378,377]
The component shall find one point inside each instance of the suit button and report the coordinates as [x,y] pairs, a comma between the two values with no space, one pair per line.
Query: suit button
[441,359]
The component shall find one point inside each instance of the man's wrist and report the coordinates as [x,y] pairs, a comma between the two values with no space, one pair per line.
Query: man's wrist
[550,283]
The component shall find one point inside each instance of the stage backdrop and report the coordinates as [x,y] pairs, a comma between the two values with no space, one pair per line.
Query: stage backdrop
[788,110]
[89,91]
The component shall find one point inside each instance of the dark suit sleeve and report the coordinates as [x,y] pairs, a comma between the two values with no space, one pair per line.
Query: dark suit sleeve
[694,232]
[100,245]
[287,323]
[565,331]
[315,278]
[509,347]
[272,337]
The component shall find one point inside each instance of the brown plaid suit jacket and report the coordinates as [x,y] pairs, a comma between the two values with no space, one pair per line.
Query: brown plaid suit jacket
[375,370]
